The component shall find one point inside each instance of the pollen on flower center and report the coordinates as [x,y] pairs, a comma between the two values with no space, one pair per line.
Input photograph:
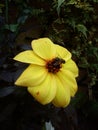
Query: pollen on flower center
[54,65]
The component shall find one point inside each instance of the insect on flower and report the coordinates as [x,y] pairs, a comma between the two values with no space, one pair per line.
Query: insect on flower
[58,61]
[55,64]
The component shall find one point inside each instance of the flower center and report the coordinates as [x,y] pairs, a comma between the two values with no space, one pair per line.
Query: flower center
[54,65]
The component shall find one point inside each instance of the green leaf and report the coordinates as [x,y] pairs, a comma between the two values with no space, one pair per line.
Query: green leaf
[5,91]
[11,27]
[60,2]
[81,28]
[22,19]
[49,126]
[72,2]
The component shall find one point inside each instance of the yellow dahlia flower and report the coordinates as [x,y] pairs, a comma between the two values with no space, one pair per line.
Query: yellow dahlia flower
[50,77]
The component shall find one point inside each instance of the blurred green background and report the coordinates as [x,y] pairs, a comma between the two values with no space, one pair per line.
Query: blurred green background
[72,24]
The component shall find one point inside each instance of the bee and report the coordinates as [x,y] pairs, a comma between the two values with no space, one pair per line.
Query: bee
[58,61]
[55,64]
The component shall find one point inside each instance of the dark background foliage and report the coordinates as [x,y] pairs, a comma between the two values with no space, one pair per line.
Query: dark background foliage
[72,24]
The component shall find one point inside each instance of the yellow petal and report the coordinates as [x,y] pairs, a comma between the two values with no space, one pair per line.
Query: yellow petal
[62,97]
[29,57]
[68,80]
[63,52]
[44,48]
[32,76]
[71,66]
[44,92]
